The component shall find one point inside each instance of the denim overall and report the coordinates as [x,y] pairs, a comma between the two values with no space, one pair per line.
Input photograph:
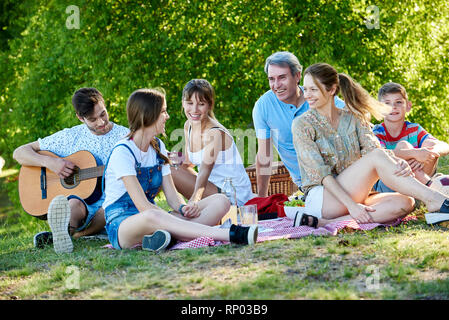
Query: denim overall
[150,179]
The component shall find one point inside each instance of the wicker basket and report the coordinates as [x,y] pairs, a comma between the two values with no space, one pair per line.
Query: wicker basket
[280,181]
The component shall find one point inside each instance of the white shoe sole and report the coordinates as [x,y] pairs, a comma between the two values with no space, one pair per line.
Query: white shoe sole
[252,234]
[298,218]
[59,218]
[434,218]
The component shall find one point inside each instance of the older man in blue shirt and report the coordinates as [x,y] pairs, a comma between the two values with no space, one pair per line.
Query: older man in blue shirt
[273,115]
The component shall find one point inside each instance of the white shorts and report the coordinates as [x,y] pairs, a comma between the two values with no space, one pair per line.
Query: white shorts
[314,201]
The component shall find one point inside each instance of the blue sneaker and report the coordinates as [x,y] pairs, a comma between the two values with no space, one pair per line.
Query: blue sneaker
[157,241]
[42,239]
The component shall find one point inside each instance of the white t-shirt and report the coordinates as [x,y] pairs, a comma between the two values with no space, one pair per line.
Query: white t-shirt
[70,140]
[122,164]
[77,138]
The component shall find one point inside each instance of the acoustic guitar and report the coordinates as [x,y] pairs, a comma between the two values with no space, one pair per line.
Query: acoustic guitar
[39,185]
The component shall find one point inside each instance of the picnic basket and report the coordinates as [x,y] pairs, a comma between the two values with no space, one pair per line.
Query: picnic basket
[280,181]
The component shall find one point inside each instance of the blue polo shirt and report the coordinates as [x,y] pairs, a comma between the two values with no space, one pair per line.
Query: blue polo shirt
[273,119]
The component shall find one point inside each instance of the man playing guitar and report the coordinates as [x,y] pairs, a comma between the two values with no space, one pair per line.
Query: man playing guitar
[71,215]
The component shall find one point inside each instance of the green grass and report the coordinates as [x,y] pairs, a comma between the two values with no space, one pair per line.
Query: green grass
[407,262]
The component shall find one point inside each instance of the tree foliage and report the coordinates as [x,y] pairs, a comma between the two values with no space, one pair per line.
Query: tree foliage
[124,45]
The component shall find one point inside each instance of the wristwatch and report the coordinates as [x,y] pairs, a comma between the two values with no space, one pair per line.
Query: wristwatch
[180,209]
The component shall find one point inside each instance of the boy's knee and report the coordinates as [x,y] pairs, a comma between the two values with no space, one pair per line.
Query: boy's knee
[77,209]
[404,145]
[428,143]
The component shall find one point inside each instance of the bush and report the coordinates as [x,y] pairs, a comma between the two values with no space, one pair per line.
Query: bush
[122,45]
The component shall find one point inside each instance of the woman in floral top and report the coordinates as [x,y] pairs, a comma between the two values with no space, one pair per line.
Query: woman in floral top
[340,159]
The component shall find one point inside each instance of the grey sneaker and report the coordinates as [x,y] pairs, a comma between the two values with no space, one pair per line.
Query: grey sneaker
[59,218]
[157,241]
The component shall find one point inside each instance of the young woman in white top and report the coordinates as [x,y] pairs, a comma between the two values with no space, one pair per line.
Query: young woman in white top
[210,147]
[137,170]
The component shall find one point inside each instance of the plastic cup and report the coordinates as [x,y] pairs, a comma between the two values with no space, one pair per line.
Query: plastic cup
[176,159]
[248,215]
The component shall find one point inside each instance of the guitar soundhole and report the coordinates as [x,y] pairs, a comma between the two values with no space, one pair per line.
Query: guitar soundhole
[73,180]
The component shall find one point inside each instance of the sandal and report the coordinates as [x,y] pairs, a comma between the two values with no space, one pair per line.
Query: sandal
[302,219]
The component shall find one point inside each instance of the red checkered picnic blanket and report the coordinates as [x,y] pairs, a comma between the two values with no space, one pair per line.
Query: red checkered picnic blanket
[282,228]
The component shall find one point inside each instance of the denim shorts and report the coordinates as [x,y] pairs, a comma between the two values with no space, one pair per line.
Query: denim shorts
[120,213]
[91,210]
[379,186]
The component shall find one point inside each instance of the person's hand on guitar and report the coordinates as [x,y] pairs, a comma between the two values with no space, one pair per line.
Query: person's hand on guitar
[62,167]
[37,187]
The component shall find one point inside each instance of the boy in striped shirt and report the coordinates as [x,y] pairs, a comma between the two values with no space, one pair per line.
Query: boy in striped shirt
[408,141]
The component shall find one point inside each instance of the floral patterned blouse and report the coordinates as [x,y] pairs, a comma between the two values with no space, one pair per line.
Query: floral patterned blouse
[322,150]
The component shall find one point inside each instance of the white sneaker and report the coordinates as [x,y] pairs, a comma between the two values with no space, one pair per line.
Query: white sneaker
[59,218]
[435,218]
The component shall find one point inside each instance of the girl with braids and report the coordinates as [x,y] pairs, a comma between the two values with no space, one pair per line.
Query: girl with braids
[137,169]
[340,159]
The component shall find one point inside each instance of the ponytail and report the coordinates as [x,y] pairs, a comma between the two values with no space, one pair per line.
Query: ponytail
[356,98]
[359,101]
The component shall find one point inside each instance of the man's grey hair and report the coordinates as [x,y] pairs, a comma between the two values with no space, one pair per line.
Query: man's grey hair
[284,58]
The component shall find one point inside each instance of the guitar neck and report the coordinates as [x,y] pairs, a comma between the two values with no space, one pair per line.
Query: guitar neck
[90,173]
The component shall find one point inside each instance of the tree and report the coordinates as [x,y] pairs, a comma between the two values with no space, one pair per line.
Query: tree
[123,45]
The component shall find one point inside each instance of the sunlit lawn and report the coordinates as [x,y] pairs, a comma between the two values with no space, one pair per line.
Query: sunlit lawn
[410,261]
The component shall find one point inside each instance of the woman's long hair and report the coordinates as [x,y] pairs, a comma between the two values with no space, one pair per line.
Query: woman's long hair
[143,108]
[356,98]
